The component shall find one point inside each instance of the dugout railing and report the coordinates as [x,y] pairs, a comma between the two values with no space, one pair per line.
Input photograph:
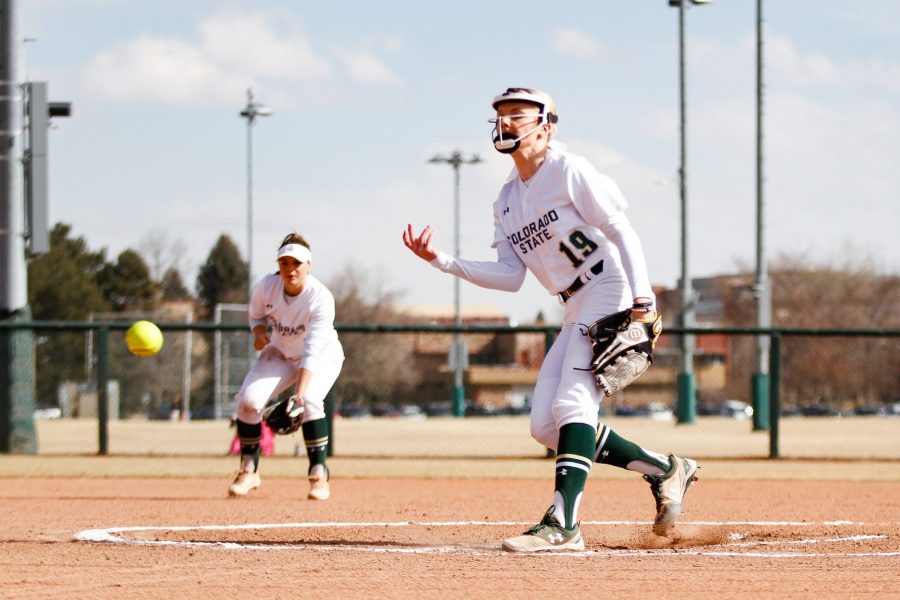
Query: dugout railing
[105,335]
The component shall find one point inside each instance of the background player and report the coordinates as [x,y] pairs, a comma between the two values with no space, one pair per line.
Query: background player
[565,222]
[303,351]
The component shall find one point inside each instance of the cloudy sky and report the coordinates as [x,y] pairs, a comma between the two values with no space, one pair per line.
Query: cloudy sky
[364,92]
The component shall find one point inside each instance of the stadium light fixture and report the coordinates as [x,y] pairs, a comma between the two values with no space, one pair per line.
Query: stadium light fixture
[250,112]
[687,397]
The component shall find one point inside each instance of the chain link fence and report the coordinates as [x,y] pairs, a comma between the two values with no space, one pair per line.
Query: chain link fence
[837,392]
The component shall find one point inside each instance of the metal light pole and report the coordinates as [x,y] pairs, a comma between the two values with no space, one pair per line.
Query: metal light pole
[762,286]
[17,402]
[250,112]
[687,396]
[13,268]
[458,352]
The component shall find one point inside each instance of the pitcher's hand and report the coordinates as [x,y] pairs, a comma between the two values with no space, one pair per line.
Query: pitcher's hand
[421,244]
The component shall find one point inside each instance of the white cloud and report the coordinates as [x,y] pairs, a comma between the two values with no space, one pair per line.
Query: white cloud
[879,73]
[159,70]
[789,63]
[252,43]
[574,43]
[365,67]
[392,43]
[231,51]
[727,60]
[660,123]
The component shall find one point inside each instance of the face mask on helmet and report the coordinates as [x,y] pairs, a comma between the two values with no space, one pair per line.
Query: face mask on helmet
[506,143]
[506,146]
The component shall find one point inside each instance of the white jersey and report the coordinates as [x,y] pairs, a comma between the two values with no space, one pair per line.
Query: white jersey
[302,326]
[559,224]
[553,221]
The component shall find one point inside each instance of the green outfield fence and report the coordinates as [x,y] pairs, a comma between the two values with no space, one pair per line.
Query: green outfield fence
[832,393]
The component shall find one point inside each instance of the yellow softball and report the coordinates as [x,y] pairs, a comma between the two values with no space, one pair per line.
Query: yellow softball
[144,338]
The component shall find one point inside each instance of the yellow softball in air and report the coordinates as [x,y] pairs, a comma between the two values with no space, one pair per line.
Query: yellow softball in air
[144,338]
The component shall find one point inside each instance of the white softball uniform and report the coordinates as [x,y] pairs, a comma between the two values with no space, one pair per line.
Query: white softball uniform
[302,336]
[567,222]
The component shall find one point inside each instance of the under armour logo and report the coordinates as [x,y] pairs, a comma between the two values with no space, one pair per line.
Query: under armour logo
[563,472]
[555,538]
[605,453]
[506,211]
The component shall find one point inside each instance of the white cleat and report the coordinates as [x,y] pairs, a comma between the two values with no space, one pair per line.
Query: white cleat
[669,490]
[244,483]
[318,483]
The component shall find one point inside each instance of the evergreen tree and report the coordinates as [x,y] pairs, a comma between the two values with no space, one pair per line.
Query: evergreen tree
[62,284]
[126,284]
[223,278]
[173,287]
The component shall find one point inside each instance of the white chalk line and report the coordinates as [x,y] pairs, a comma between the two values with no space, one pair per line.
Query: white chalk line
[109,535]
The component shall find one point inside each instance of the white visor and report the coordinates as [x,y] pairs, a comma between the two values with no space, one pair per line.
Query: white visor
[297,251]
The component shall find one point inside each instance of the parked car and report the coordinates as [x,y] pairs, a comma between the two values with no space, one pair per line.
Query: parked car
[819,410]
[206,411]
[482,410]
[790,411]
[621,410]
[660,411]
[383,409]
[47,412]
[734,409]
[354,411]
[439,409]
[411,411]
[524,409]
[737,409]
[708,409]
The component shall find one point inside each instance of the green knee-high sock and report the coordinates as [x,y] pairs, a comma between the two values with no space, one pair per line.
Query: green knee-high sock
[573,464]
[613,449]
[250,434]
[315,435]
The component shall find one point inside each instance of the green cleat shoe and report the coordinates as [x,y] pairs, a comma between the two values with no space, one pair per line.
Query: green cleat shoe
[546,535]
[669,490]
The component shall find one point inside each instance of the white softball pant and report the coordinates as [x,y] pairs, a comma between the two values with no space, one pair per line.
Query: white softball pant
[271,374]
[566,391]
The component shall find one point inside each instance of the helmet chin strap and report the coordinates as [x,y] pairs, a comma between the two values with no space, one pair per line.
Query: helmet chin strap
[510,145]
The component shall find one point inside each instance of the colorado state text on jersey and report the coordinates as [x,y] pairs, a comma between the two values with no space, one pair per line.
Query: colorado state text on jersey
[535,233]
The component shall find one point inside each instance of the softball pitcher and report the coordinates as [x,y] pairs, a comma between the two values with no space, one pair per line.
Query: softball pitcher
[302,350]
[557,217]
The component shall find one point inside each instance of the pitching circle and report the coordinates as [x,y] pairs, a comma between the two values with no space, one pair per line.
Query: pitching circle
[735,543]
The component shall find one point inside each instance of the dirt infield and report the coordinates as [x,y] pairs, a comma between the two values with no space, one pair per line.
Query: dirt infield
[414,537]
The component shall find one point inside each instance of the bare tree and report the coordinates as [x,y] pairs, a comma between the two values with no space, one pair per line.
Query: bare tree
[162,253]
[378,367]
[846,293]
